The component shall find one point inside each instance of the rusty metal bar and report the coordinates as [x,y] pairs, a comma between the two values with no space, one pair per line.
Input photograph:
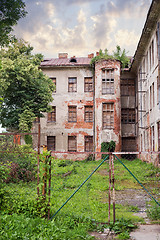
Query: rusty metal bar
[49,188]
[109,194]
[39,136]
[114,197]
[6,133]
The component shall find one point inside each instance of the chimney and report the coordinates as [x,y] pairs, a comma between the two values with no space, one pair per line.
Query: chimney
[91,55]
[63,55]
[97,53]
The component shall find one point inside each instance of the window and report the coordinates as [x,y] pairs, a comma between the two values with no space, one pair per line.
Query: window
[152,47]
[158,91]
[127,87]
[153,95]
[54,81]
[88,143]
[72,84]
[88,84]
[72,143]
[152,138]
[128,115]
[150,97]
[108,81]
[108,115]
[72,114]
[88,113]
[52,115]
[51,143]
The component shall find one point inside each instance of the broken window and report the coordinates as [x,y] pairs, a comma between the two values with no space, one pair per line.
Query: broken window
[128,115]
[152,138]
[52,115]
[88,84]
[108,81]
[127,87]
[88,143]
[108,115]
[54,81]
[72,143]
[88,113]
[72,114]
[51,143]
[72,84]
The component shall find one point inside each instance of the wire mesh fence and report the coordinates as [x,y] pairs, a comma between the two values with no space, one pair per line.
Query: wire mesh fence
[110,193]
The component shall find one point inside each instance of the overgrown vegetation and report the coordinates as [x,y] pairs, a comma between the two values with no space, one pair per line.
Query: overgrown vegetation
[118,54]
[84,212]
[107,147]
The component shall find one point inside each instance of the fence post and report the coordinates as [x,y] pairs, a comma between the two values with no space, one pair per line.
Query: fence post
[114,216]
[109,195]
[39,136]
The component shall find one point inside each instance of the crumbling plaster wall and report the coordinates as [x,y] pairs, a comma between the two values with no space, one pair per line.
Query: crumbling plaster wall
[106,135]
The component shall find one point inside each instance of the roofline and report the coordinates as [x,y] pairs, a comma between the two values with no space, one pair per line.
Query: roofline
[151,21]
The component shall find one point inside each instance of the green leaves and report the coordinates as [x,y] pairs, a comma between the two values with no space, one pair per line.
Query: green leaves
[11,12]
[118,55]
[25,90]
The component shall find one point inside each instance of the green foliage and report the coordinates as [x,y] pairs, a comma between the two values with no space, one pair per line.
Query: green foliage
[153,212]
[118,55]
[11,12]
[20,162]
[25,90]
[122,227]
[122,57]
[65,227]
[107,147]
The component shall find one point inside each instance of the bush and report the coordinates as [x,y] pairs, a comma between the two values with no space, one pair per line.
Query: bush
[20,161]
[107,147]
[154,212]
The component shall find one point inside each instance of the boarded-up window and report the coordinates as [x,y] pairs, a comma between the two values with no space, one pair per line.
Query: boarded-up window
[88,84]
[128,115]
[88,143]
[52,115]
[72,114]
[54,81]
[108,115]
[72,143]
[108,81]
[51,143]
[88,113]
[127,87]
[72,84]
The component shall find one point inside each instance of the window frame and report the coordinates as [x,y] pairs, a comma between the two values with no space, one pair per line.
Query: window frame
[72,86]
[52,115]
[88,113]
[88,140]
[72,147]
[108,80]
[110,116]
[128,116]
[71,113]
[54,143]
[88,85]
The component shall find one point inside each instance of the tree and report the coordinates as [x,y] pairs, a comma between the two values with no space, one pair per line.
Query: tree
[10,12]
[25,90]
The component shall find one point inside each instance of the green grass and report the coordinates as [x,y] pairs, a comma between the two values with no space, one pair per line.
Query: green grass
[90,202]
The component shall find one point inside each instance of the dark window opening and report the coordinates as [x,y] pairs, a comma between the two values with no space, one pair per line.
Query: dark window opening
[72,143]
[51,143]
[88,143]
[128,115]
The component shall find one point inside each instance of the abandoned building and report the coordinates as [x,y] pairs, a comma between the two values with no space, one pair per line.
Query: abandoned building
[102,103]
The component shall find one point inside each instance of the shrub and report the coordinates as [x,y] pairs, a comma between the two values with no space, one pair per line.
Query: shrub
[107,147]
[21,162]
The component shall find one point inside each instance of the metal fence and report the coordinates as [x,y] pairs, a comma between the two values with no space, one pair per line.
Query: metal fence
[105,169]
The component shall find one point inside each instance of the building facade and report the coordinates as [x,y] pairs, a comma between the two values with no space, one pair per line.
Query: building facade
[100,103]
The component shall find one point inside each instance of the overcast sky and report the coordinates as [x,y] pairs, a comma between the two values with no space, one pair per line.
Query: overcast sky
[79,27]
